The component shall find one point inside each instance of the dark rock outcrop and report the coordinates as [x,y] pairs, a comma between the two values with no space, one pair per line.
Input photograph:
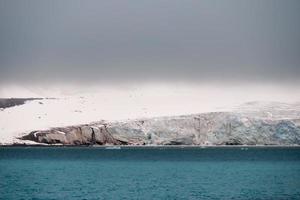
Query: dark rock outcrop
[10,102]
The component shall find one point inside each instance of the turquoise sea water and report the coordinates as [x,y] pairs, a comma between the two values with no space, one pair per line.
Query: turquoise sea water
[156,173]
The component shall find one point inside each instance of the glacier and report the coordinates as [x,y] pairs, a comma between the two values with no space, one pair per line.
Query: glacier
[253,123]
[65,122]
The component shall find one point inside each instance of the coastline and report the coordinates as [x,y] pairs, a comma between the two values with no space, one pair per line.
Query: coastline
[148,146]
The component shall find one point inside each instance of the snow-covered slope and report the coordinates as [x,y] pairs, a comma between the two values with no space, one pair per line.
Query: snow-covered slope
[255,123]
[250,123]
[43,114]
[270,110]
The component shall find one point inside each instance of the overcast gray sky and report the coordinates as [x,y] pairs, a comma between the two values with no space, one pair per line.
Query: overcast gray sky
[148,41]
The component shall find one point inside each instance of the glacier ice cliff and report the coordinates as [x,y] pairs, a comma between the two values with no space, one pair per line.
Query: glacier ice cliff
[266,126]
